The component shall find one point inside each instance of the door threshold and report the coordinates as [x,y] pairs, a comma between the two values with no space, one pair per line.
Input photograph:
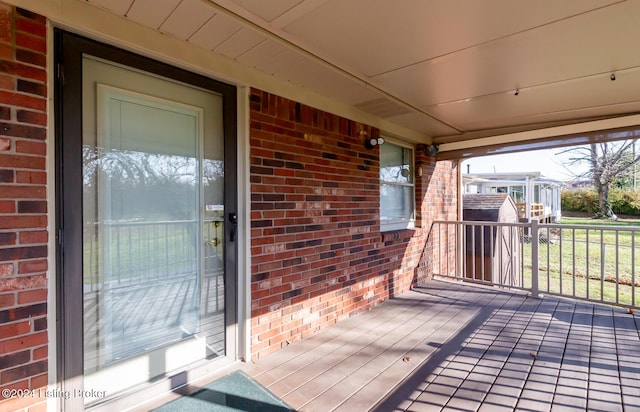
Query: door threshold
[151,395]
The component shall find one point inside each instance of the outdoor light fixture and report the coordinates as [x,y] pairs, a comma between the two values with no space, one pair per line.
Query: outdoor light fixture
[431,149]
[613,76]
[372,142]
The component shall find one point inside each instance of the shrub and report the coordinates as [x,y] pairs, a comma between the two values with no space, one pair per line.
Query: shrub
[580,200]
[623,202]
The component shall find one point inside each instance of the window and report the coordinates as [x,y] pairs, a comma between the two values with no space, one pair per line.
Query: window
[396,187]
[517,193]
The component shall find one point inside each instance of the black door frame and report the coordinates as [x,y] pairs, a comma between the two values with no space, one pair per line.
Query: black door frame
[68,53]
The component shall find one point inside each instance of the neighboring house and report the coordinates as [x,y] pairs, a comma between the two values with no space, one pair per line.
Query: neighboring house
[536,196]
[185,184]
[578,184]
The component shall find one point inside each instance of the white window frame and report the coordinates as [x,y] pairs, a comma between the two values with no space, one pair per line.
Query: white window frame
[391,225]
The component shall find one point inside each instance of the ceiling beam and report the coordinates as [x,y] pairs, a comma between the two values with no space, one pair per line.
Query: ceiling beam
[559,136]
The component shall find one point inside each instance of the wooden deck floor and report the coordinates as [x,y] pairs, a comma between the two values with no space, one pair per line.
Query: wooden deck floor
[458,347]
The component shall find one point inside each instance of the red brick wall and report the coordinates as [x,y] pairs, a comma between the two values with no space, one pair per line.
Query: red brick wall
[317,252]
[23,205]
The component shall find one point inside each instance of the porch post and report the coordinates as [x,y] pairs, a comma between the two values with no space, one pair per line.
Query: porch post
[535,243]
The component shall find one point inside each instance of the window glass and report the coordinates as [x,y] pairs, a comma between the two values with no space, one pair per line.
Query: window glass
[396,187]
[396,164]
[517,193]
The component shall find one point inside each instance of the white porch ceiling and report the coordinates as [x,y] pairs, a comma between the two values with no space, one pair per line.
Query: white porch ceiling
[448,69]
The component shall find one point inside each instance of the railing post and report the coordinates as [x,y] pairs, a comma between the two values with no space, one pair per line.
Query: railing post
[535,243]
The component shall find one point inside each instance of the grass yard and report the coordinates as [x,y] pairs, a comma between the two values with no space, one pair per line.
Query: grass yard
[145,251]
[589,262]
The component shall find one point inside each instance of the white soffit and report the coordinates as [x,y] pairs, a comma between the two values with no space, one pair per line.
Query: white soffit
[509,109]
[187,18]
[376,36]
[548,55]
[240,43]
[117,6]
[423,124]
[268,10]
[152,13]
[263,55]
[442,68]
[215,32]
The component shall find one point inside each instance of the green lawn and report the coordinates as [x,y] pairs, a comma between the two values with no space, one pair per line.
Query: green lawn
[589,263]
[143,251]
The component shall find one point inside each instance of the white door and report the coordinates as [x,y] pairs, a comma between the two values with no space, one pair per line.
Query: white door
[152,210]
[152,261]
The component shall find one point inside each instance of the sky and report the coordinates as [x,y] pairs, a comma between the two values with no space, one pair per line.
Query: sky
[550,162]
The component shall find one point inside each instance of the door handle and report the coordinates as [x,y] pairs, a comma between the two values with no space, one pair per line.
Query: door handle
[215,242]
[233,218]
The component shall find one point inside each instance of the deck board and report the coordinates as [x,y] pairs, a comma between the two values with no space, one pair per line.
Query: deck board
[449,346]
[373,355]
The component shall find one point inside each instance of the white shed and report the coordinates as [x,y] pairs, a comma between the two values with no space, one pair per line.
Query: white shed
[492,252]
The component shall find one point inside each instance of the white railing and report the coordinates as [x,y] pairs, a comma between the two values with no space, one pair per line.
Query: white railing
[594,263]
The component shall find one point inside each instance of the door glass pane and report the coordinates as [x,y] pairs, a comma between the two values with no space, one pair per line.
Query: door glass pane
[152,211]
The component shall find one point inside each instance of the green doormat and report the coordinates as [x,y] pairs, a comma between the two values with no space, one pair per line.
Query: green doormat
[234,392]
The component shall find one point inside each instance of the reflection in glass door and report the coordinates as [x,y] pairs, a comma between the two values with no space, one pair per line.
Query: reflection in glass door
[153,226]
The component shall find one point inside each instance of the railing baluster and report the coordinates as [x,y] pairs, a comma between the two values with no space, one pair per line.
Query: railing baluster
[499,241]
[443,265]
[461,251]
[602,264]
[617,268]
[587,263]
[512,258]
[633,268]
[456,246]
[508,279]
[439,267]
[456,250]
[521,241]
[492,250]
[482,268]
[560,258]
[446,265]
[573,240]
[448,257]
[473,251]
[548,261]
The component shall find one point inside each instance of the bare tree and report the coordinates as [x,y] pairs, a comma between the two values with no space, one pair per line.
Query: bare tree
[608,162]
